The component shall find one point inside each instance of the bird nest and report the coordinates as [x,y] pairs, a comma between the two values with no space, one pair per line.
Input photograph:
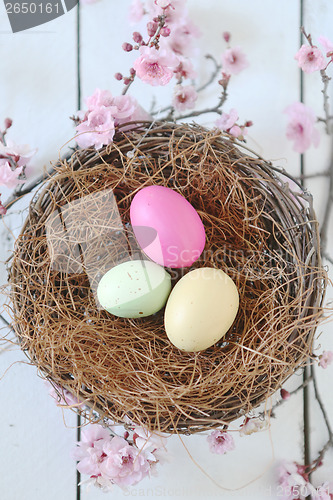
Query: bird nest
[261,231]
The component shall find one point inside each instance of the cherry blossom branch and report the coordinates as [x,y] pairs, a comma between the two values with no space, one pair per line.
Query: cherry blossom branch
[324,173]
[127,86]
[317,462]
[326,79]
[155,39]
[328,207]
[289,394]
[213,109]
[214,74]
[152,42]
[199,89]
[319,119]
[9,158]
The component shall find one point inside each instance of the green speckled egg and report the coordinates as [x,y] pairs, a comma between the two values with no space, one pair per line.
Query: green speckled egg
[134,289]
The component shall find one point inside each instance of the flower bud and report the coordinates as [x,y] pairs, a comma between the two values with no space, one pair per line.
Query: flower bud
[127,81]
[226,35]
[3,210]
[137,37]
[127,47]
[132,71]
[249,123]
[151,28]
[118,76]
[8,123]
[285,394]
[165,31]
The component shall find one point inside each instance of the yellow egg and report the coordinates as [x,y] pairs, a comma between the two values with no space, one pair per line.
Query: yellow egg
[201,308]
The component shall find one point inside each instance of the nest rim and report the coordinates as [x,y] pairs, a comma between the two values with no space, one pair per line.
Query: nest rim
[307,257]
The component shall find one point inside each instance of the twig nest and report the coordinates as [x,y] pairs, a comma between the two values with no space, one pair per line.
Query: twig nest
[260,233]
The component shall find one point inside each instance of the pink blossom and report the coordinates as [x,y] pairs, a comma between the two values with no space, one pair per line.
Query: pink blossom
[92,433]
[62,396]
[163,4]
[123,463]
[112,460]
[293,483]
[184,97]
[9,177]
[89,451]
[99,98]
[323,492]
[136,11]
[181,38]
[155,67]
[105,112]
[174,10]
[21,153]
[227,120]
[300,128]
[98,127]
[310,59]
[326,43]
[234,61]
[185,69]
[149,443]
[128,110]
[325,359]
[252,425]
[220,442]
[237,131]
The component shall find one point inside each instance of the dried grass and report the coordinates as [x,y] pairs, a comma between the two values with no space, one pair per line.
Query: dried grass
[258,231]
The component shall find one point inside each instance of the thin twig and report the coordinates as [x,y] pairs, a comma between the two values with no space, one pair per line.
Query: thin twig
[326,80]
[317,462]
[214,74]
[125,89]
[324,173]
[198,89]
[292,393]
[151,43]
[213,109]
[328,207]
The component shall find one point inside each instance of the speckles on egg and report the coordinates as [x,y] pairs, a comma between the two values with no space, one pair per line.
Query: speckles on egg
[123,295]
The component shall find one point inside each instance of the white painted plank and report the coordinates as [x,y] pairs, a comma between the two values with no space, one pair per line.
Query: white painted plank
[268,33]
[38,89]
[318,21]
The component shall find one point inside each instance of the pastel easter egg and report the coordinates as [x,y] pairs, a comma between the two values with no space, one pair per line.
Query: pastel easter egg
[179,232]
[201,308]
[134,289]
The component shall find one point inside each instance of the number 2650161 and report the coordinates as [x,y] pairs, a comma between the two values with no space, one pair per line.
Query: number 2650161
[32,8]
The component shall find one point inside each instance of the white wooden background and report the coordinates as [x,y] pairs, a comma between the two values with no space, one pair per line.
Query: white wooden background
[38,90]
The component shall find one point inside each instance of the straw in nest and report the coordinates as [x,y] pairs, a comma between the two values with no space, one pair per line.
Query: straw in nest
[263,235]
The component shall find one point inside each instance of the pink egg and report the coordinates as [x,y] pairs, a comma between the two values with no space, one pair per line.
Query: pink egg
[167,227]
